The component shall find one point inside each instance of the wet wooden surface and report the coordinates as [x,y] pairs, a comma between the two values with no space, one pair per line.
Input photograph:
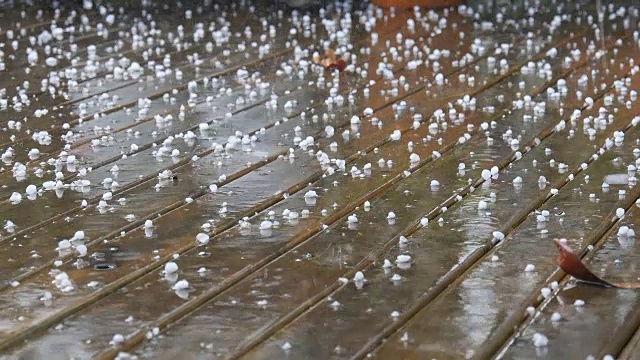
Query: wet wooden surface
[227,197]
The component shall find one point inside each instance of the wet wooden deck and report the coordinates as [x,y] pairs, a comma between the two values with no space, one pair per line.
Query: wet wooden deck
[228,198]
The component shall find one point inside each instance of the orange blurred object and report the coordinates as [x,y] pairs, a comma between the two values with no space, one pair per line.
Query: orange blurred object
[421,3]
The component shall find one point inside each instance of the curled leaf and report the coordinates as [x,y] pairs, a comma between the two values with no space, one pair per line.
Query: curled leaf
[571,264]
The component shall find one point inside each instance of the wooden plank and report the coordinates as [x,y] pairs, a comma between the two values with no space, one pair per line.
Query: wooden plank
[189,330]
[252,291]
[442,245]
[187,185]
[64,206]
[249,122]
[509,296]
[150,86]
[319,284]
[613,310]
[190,240]
[127,121]
[632,348]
